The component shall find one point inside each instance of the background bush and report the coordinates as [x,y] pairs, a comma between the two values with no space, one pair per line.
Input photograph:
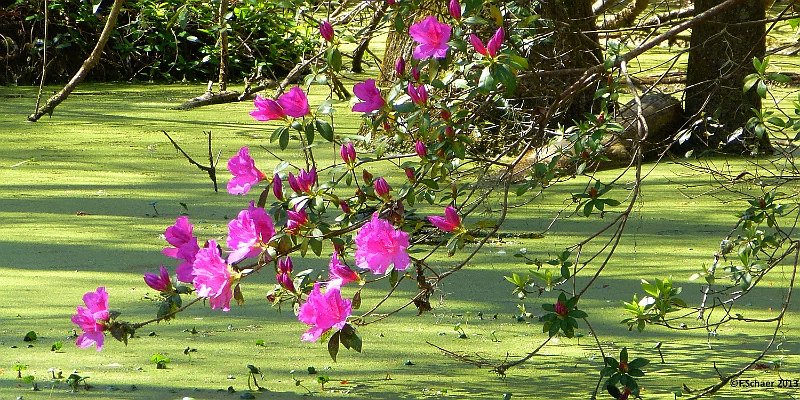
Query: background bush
[154,40]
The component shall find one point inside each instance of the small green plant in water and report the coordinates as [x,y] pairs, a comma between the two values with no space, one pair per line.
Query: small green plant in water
[159,360]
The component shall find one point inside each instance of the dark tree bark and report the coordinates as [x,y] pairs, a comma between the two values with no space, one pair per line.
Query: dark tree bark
[722,50]
[573,48]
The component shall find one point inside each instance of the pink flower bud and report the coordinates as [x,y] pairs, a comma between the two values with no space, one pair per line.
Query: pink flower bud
[400,66]
[326,31]
[285,280]
[445,114]
[560,308]
[391,2]
[345,207]
[285,265]
[382,188]
[348,153]
[449,132]
[158,282]
[410,174]
[421,149]
[304,181]
[277,187]
[415,73]
[297,220]
[493,47]
[455,9]
[419,95]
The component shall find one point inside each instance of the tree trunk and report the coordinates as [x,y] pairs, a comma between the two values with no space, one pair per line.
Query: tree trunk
[722,50]
[87,66]
[573,49]
[223,46]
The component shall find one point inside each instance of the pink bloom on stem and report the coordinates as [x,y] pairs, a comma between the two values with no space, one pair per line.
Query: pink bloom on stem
[267,109]
[92,319]
[369,95]
[244,171]
[382,188]
[249,233]
[160,282]
[400,66]
[304,181]
[297,220]
[421,149]
[391,2]
[277,187]
[492,47]
[450,222]
[432,37]
[379,245]
[455,9]
[419,95]
[185,247]
[179,235]
[323,311]
[326,31]
[341,272]
[345,207]
[294,103]
[348,153]
[212,277]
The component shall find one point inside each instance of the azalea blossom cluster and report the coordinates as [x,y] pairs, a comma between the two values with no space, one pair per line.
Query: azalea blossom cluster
[268,236]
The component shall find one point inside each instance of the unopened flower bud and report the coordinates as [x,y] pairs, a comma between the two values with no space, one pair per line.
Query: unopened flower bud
[382,188]
[400,66]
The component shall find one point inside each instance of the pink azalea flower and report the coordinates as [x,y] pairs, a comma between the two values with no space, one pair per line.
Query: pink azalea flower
[382,188]
[379,245]
[419,95]
[249,233]
[185,247]
[348,153]
[455,9]
[323,311]
[304,181]
[294,103]
[326,31]
[267,109]
[244,171]
[369,95]
[297,220]
[450,222]
[492,47]
[92,319]
[277,187]
[212,277]
[432,37]
[160,282]
[341,272]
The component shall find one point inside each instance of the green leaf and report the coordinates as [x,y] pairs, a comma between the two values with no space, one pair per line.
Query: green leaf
[316,246]
[333,346]
[334,57]
[506,78]
[393,277]
[325,130]
[761,89]
[565,272]
[283,141]
[486,82]
[578,314]
[309,129]
[30,337]
[350,338]
[638,363]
